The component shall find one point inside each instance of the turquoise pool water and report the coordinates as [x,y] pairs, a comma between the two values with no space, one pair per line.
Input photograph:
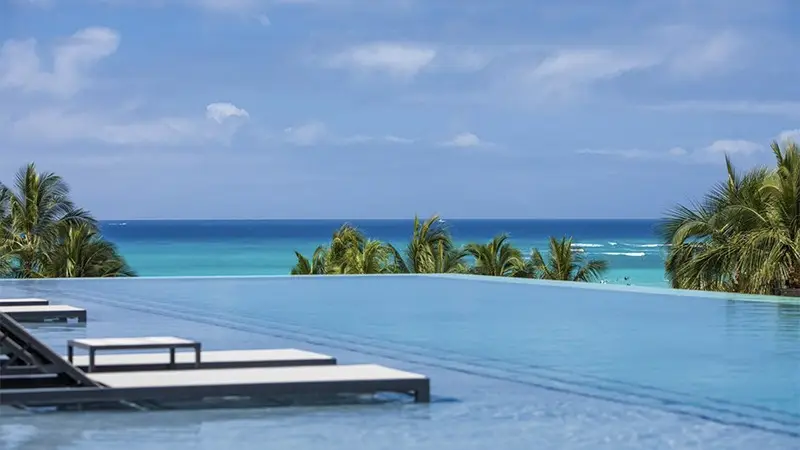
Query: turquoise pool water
[514,364]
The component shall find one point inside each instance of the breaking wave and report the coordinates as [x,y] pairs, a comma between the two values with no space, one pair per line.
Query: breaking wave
[636,254]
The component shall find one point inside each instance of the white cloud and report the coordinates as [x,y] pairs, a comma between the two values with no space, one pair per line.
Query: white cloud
[695,53]
[317,133]
[734,147]
[566,70]
[781,108]
[712,153]
[789,135]
[73,58]
[220,112]
[311,133]
[396,59]
[22,70]
[631,153]
[465,140]
[457,59]
[366,139]
[228,5]
[55,125]
[404,60]
[398,140]
[715,152]
[536,72]
[677,151]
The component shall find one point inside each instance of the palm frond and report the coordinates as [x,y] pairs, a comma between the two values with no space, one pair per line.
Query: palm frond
[496,258]
[745,235]
[564,264]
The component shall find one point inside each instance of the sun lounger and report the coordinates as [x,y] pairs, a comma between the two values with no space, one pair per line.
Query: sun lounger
[23,302]
[210,359]
[63,383]
[214,359]
[215,383]
[22,349]
[44,313]
[170,343]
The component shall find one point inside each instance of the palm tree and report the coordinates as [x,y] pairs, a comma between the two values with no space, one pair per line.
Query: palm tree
[430,250]
[314,266]
[35,215]
[349,252]
[343,239]
[38,220]
[564,264]
[744,236]
[84,253]
[497,258]
[371,258]
[6,258]
[702,239]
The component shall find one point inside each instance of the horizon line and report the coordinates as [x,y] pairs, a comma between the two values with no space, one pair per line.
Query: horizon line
[319,219]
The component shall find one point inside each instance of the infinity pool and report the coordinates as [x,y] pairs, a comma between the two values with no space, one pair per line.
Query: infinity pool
[514,364]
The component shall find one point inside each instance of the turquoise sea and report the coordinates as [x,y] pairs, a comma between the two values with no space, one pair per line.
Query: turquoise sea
[266,247]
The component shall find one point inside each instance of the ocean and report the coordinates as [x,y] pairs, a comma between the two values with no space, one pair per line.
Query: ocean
[266,247]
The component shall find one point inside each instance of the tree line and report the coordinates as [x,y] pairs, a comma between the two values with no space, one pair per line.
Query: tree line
[431,250]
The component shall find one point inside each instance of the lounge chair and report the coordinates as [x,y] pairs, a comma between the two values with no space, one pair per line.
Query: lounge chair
[211,359]
[23,302]
[44,313]
[59,382]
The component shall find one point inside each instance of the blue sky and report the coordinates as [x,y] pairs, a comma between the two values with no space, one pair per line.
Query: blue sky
[387,108]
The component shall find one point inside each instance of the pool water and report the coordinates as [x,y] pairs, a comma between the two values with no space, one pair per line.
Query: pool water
[514,364]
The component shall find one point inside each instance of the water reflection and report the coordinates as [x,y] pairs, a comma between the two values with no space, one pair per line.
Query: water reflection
[789,318]
[247,424]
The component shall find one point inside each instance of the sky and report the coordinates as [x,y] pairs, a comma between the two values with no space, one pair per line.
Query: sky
[390,108]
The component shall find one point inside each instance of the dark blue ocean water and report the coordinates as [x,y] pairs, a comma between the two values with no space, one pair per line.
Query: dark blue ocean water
[266,247]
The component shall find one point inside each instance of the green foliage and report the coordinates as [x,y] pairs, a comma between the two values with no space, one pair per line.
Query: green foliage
[84,253]
[744,236]
[314,266]
[43,234]
[349,252]
[496,258]
[564,264]
[431,250]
